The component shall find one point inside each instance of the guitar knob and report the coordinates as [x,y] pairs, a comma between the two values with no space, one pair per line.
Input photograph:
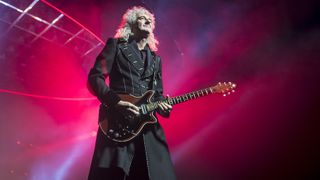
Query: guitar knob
[116,135]
[111,130]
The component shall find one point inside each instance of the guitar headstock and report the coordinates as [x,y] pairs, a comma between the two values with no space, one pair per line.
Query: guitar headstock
[225,88]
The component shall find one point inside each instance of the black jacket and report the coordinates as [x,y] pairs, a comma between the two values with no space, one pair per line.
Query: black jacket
[121,61]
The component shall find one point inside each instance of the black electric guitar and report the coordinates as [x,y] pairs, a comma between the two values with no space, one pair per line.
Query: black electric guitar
[120,128]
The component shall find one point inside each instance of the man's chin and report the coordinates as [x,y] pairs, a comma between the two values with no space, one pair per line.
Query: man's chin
[145,33]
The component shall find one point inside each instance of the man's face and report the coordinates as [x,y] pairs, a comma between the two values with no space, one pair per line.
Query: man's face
[144,24]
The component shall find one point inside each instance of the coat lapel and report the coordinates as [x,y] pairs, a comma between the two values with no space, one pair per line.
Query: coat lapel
[150,64]
[132,56]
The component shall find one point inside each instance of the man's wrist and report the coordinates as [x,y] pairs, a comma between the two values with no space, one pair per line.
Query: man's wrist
[111,98]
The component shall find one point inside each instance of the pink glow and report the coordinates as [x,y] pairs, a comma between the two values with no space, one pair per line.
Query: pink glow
[75,21]
[45,97]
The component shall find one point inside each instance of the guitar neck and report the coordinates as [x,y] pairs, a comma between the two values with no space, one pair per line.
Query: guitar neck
[219,88]
[190,96]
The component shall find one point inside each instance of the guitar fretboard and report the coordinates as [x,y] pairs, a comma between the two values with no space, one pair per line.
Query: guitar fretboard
[182,98]
[189,96]
[219,88]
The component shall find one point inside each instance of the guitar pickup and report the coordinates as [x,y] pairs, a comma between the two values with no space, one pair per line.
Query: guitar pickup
[143,109]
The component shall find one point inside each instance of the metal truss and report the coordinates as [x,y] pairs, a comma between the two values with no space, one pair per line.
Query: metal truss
[39,19]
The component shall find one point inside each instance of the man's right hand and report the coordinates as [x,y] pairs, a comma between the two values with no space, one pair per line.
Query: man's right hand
[127,109]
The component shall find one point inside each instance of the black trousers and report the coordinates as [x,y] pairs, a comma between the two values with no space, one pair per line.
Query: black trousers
[138,169]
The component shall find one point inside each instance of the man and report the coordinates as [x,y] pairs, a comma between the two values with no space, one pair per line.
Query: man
[130,62]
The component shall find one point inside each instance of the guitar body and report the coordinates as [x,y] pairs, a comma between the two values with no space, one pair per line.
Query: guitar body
[119,128]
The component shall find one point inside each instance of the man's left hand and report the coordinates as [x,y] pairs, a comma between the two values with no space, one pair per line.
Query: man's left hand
[164,109]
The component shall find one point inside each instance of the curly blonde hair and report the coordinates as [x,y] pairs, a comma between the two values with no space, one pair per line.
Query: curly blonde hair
[129,19]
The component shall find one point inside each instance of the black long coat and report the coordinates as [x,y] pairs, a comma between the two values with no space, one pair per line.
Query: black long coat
[121,61]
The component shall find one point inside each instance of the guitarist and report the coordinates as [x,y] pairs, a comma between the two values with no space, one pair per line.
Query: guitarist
[130,62]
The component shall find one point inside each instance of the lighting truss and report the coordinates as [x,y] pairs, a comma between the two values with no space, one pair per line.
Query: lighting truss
[41,20]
